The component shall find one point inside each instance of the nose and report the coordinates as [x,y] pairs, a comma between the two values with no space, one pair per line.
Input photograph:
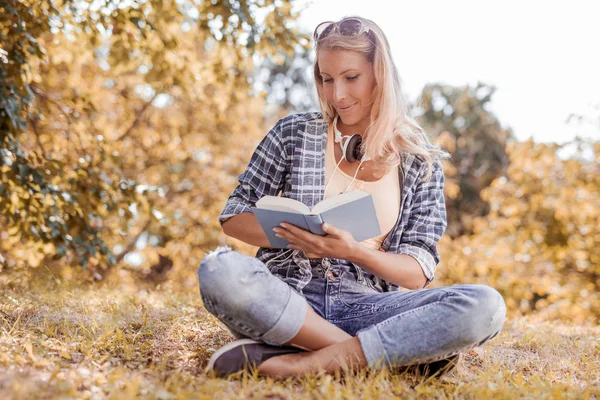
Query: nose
[339,93]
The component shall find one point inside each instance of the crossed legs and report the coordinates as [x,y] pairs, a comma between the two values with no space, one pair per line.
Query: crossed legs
[332,350]
[417,326]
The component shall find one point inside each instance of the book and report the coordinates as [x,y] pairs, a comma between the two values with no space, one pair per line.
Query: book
[353,211]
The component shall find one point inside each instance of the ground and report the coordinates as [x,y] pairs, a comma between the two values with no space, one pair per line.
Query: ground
[118,340]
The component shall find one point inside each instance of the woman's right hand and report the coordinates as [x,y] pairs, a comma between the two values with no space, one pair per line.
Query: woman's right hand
[338,243]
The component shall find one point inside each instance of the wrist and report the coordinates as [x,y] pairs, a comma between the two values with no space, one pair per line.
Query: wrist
[356,252]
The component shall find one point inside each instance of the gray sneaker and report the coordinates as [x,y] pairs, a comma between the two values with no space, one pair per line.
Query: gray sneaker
[244,354]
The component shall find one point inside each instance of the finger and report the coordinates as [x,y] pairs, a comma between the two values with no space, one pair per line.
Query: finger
[299,238]
[284,233]
[298,233]
[331,230]
[289,236]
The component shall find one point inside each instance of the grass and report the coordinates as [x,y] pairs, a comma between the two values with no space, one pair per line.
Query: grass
[117,340]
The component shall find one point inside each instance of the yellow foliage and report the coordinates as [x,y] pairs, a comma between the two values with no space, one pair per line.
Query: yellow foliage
[140,104]
[540,244]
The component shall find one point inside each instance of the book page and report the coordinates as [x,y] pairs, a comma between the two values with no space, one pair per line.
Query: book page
[334,201]
[282,204]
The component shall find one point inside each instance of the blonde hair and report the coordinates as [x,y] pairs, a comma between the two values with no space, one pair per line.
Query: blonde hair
[391,130]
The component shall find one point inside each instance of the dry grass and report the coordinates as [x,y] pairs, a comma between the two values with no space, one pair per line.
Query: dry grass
[119,341]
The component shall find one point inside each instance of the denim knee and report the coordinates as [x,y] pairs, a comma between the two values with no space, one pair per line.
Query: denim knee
[484,312]
[241,292]
[492,310]
[225,274]
[212,262]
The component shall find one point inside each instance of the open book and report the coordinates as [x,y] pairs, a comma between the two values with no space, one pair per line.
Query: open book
[353,211]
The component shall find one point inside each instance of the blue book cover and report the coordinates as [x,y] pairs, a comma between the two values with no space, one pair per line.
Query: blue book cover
[353,211]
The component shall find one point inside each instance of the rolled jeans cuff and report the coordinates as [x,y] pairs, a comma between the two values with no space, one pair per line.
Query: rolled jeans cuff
[290,321]
[373,348]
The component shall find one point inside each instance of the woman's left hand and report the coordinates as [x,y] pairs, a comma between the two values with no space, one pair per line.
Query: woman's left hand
[338,243]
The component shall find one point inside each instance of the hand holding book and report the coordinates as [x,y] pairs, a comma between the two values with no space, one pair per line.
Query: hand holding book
[352,211]
[338,243]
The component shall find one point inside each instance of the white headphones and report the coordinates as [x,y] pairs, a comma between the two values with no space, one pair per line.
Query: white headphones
[350,152]
[350,145]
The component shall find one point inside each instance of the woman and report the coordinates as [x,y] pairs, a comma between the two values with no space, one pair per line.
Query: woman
[329,303]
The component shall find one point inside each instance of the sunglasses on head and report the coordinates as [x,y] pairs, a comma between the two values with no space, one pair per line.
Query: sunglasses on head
[346,27]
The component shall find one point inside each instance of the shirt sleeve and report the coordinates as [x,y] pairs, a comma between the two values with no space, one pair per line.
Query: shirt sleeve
[427,223]
[264,175]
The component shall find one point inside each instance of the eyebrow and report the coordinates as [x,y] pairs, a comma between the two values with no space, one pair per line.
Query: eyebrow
[341,73]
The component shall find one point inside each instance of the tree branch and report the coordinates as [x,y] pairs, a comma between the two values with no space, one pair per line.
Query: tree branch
[131,244]
[47,98]
[33,123]
[138,118]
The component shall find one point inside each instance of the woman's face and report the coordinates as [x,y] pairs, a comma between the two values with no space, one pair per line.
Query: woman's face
[348,84]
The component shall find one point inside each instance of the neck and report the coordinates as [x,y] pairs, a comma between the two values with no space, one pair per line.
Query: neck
[352,129]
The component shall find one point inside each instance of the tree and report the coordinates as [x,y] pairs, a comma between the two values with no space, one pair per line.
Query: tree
[289,82]
[540,244]
[460,120]
[116,124]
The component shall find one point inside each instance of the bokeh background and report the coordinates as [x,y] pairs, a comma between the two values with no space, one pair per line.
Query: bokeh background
[124,126]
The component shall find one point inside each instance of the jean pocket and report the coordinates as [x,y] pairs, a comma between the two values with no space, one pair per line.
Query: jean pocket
[372,283]
[355,294]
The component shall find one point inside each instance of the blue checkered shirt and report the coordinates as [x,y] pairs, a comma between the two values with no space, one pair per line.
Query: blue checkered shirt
[291,159]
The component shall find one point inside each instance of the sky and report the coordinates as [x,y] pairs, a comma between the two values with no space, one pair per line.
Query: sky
[543,57]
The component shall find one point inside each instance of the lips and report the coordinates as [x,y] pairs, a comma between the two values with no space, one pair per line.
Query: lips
[347,108]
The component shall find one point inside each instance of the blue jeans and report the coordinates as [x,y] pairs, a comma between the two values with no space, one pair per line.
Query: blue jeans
[394,328]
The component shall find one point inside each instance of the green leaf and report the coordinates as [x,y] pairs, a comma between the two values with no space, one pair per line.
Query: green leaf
[112,259]
[38,177]
[61,250]
[24,170]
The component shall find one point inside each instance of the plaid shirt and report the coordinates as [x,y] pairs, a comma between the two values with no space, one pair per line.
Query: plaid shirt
[291,158]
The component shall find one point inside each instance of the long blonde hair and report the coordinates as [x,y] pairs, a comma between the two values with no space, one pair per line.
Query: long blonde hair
[391,130]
